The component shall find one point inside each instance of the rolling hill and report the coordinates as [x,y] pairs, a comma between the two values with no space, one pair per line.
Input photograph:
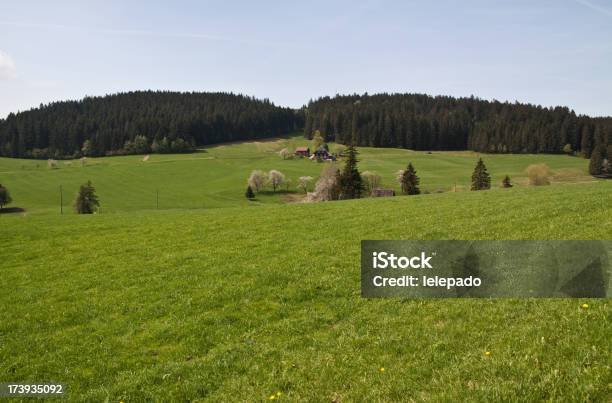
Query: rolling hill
[216,175]
[194,302]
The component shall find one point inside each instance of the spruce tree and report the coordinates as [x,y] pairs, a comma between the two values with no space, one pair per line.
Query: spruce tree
[410,181]
[249,193]
[481,180]
[86,201]
[596,162]
[506,183]
[350,182]
[5,197]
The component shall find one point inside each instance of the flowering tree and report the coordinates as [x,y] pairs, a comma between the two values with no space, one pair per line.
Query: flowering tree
[284,153]
[275,179]
[257,180]
[304,182]
[371,180]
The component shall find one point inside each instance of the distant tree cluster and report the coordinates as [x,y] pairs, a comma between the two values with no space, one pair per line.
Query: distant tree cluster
[423,122]
[141,122]
[258,179]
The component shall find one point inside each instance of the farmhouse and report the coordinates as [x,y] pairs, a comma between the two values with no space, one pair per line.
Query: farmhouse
[302,151]
[323,153]
[378,192]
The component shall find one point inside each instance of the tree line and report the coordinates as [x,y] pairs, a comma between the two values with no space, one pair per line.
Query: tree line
[142,121]
[423,122]
[162,121]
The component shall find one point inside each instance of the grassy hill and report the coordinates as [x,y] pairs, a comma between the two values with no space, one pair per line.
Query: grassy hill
[239,304]
[216,176]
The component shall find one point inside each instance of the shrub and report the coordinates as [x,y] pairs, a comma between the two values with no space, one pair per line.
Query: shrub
[180,146]
[249,193]
[538,174]
[140,145]
[506,183]
[166,146]
[161,147]
[5,197]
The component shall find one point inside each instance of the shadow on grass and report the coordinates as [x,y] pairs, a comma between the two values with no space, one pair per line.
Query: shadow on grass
[9,210]
[278,192]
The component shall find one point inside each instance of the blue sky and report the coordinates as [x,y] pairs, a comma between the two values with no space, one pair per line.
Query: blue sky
[545,52]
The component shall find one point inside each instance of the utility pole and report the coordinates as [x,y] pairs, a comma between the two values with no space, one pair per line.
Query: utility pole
[61,201]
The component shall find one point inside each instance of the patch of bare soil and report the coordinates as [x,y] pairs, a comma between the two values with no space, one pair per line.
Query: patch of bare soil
[294,198]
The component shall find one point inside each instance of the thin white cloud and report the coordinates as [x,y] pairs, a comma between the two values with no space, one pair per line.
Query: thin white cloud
[8,71]
[595,7]
[127,32]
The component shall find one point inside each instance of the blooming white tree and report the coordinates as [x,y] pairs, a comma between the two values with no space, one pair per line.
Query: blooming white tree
[399,175]
[304,182]
[275,179]
[257,180]
[326,187]
[284,153]
[371,180]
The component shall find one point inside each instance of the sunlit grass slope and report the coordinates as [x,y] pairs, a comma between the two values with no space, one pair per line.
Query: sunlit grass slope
[238,304]
[216,176]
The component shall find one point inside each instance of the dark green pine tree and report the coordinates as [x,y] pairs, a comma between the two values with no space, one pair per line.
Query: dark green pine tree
[481,180]
[506,183]
[5,197]
[249,193]
[596,161]
[410,181]
[87,201]
[350,183]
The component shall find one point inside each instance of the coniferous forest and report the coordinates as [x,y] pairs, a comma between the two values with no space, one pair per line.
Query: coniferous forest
[155,121]
[424,122]
[116,124]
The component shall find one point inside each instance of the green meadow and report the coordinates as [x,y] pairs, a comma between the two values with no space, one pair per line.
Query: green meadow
[216,176]
[193,302]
